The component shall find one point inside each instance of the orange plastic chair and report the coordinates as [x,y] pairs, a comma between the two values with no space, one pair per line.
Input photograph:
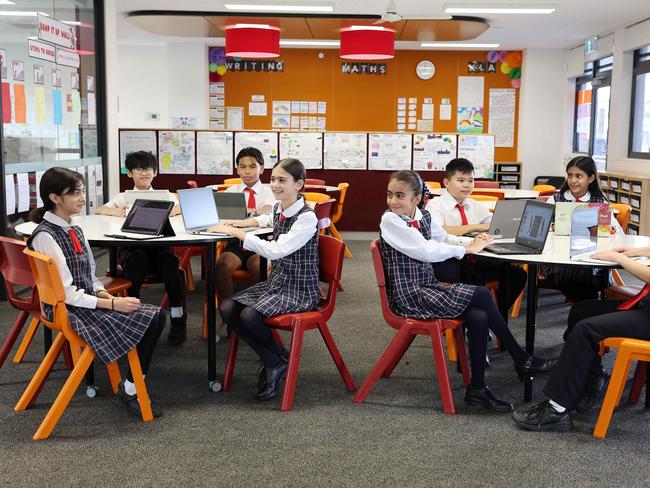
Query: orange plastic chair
[484,198]
[432,184]
[500,194]
[50,291]
[316,197]
[338,213]
[628,350]
[486,184]
[407,329]
[232,181]
[331,265]
[623,215]
[545,188]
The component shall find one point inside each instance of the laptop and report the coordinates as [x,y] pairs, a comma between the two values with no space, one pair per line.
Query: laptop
[198,209]
[147,219]
[132,195]
[505,220]
[230,205]
[532,232]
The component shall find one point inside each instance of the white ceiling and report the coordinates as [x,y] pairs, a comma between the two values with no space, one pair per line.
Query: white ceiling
[568,26]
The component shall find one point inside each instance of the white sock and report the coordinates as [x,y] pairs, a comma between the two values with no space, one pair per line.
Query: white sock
[556,406]
[177,312]
[129,387]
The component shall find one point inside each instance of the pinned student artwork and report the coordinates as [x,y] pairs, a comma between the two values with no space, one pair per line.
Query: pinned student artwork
[176,150]
[214,153]
[266,142]
[305,146]
[389,152]
[345,150]
[432,152]
[479,149]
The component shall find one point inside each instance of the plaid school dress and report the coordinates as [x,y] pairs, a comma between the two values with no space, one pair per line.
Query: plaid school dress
[414,291]
[293,285]
[111,334]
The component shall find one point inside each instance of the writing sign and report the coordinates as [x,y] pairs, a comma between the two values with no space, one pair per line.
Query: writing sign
[51,30]
[253,65]
[41,50]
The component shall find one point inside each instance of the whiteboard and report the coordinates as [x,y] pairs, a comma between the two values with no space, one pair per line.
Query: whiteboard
[177,148]
[479,149]
[137,140]
[305,146]
[267,142]
[345,150]
[214,153]
[432,152]
[389,152]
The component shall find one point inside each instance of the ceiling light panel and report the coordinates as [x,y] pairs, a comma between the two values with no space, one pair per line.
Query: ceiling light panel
[499,9]
[460,45]
[320,7]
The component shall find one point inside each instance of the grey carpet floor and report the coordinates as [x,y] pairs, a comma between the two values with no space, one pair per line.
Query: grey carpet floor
[399,437]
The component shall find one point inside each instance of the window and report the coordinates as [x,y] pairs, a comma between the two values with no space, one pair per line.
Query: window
[640,119]
[592,111]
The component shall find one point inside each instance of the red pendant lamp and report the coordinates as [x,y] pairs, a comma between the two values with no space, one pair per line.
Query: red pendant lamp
[254,41]
[367,42]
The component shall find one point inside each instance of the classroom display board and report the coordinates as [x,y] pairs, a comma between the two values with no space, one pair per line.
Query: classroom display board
[389,152]
[214,153]
[345,150]
[432,152]
[177,151]
[479,149]
[137,140]
[305,146]
[267,142]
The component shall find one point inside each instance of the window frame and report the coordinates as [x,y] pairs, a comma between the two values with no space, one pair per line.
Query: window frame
[641,66]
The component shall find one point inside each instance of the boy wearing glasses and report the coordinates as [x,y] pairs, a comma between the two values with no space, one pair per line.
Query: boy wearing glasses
[137,262]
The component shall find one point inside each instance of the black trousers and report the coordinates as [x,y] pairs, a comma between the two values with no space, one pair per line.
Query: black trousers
[478,273]
[138,262]
[593,321]
[147,344]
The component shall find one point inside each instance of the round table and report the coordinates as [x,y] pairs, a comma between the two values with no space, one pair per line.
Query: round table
[508,194]
[323,188]
[556,252]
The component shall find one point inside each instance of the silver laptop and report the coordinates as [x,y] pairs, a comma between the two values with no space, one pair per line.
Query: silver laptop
[533,230]
[230,205]
[198,209]
[505,220]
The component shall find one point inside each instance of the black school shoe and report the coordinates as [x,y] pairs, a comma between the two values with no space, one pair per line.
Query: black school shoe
[272,379]
[526,369]
[178,330]
[542,417]
[261,372]
[594,393]
[485,398]
[132,405]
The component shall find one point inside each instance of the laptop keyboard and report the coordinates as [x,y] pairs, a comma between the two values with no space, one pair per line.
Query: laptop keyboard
[510,248]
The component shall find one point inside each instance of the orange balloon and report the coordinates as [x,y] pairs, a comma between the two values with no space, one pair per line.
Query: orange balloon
[513,59]
[505,68]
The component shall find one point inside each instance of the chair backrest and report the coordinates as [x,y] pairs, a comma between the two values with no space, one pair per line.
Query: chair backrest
[486,184]
[314,181]
[544,188]
[232,181]
[500,194]
[484,198]
[391,319]
[546,193]
[432,184]
[192,184]
[330,254]
[324,212]
[50,290]
[338,211]
[631,302]
[16,271]
[311,196]
[623,215]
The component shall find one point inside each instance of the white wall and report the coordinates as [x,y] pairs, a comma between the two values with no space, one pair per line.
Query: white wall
[187,66]
[541,113]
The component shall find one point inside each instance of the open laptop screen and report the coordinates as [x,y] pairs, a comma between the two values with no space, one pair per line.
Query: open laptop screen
[198,208]
[535,223]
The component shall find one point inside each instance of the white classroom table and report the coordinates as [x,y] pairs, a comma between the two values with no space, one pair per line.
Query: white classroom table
[96,226]
[556,252]
[324,188]
[507,193]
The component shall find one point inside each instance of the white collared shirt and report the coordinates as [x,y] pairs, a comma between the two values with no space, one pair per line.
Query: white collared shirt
[119,200]
[263,194]
[443,210]
[585,199]
[45,244]
[408,240]
[305,226]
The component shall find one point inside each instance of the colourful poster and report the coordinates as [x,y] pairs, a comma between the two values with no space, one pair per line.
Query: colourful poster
[57,107]
[20,104]
[6,104]
[176,150]
[39,97]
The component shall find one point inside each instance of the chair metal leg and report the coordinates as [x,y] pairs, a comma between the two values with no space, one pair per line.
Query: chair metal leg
[443,373]
[611,397]
[233,343]
[295,351]
[27,340]
[14,332]
[336,356]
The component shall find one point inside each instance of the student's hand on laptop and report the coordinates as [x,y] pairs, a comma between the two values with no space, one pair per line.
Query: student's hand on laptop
[479,243]
[175,211]
[243,223]
[612,255]
[117,212]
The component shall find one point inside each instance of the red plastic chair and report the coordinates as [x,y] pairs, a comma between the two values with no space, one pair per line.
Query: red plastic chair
[486,184]
[323,212]
[331,264]
[313,181]
[407,329]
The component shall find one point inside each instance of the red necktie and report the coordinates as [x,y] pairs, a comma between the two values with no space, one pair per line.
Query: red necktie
[282,218]
[578,200]
[463,217]
[415,224]
[76,245]
[251,198]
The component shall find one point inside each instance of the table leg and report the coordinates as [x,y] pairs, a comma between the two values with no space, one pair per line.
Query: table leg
[531,311]
[213,384]
[112,261]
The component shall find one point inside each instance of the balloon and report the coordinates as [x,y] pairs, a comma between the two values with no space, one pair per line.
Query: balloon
[502,55]
[514,73]
[221,69]
[212,67]
[214,77]
[493,56]
[505,68]
[515,83]
[513,59]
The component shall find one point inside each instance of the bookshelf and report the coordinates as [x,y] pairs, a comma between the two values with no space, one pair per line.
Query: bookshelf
[508,174]
[632,190]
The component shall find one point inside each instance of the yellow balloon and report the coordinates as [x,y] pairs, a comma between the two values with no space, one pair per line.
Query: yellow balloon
[221,69]
[505,68]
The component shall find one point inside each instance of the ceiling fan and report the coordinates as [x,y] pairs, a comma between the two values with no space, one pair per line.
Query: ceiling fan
[391,15]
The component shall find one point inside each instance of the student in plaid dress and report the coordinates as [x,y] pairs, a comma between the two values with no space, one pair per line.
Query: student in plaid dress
[110,325]
[293,285]
[410,241]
